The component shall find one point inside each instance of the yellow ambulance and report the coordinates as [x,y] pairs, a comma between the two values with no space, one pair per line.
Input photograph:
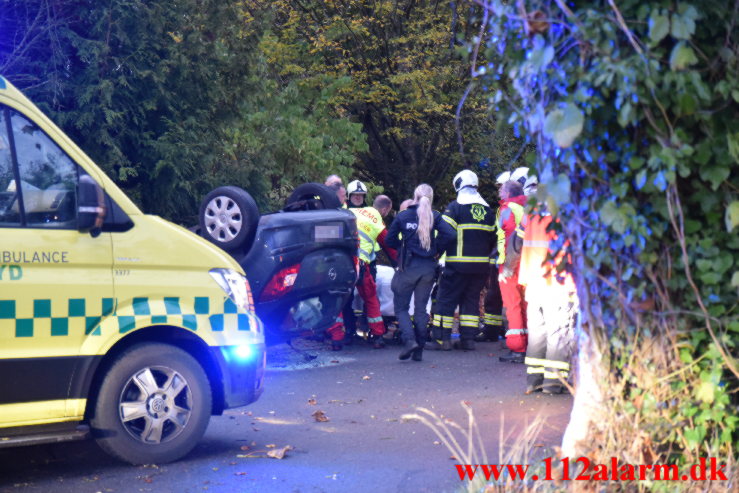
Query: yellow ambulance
[113,323]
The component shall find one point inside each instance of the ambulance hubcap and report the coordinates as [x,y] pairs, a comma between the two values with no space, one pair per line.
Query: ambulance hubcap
[155,404]
[223,218]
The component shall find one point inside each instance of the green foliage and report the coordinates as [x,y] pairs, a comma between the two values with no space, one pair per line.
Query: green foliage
[634,107]
[172,99]
[406,73]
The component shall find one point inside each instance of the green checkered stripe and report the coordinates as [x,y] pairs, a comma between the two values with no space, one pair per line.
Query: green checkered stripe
[60,318]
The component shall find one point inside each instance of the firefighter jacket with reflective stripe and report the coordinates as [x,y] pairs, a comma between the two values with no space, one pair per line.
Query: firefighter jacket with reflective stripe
[475,226]
[509,217]
[535,272]
[371,230]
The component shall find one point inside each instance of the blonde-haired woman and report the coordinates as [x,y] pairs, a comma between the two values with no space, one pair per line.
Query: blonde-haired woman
[420,236]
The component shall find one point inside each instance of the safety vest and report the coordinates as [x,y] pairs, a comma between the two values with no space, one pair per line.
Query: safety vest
[369,226]
[534,271]
[475,225]
[517,211]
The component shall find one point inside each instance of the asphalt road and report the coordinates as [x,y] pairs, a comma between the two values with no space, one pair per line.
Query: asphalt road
[364,446]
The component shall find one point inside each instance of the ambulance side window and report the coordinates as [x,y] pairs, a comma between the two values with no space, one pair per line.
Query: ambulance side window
[9,216]
[48,177]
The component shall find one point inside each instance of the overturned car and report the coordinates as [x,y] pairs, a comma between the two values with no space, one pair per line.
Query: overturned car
[301,261]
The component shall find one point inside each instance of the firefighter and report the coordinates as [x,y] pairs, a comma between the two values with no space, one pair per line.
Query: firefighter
[552,305]
[420,234]
[466,267]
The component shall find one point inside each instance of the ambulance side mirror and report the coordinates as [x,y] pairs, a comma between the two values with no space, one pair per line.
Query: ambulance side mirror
[90,206]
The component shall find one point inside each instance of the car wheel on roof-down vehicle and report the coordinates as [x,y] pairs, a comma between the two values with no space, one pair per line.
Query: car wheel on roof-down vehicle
[229,218]
[309,196]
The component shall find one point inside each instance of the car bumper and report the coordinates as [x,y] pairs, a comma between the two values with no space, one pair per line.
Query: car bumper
[242,371]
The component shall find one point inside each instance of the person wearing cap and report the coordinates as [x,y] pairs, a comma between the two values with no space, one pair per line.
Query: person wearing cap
[466,266]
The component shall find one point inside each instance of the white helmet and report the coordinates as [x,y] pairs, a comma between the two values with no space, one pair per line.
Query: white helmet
[465,178]
[503,177]
[519,175]
[529,188]
[356,187]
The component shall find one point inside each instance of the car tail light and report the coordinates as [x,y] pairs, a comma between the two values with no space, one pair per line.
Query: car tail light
[281,283]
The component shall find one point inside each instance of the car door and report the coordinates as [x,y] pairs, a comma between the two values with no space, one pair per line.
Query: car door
[55,282]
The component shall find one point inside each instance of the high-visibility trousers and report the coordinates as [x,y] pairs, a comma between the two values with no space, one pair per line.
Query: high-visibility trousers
[463,290]
[367,290]
[515,312]
[551,323]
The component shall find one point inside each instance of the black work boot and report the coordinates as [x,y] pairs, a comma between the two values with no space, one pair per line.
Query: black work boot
[417,354]
[408,349]
[465,344]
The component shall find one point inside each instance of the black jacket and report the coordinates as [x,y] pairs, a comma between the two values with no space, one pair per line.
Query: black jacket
[403,236]
[476,238]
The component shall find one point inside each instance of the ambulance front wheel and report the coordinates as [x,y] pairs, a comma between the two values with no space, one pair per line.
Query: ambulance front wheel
[153,405]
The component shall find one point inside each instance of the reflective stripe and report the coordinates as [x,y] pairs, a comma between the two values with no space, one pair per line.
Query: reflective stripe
[373,320]
[555,375]
[96,210]
[483,227]
[468,259]
[493,319]
[515,332]
[468,323]
[534,369]
[451,221]
[549,363]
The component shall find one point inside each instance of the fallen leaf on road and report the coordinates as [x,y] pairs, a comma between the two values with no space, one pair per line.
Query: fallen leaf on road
[452,458]
[244,447]
[279,453]
[239,474]
[214,468]
[320,416]
[271,445]
[334,361]
[366,377]
[312,402]
[437,442]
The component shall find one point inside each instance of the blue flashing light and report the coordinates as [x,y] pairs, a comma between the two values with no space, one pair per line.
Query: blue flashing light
[243,352]
[238,354]
[2,83]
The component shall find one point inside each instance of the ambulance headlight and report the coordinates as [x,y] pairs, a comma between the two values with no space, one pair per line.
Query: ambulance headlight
[235,286]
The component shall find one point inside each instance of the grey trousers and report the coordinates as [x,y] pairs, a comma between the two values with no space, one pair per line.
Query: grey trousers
[415,280]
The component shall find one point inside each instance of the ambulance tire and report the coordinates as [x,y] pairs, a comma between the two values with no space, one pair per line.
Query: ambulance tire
[314,194]
[157,365]
[229,217]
